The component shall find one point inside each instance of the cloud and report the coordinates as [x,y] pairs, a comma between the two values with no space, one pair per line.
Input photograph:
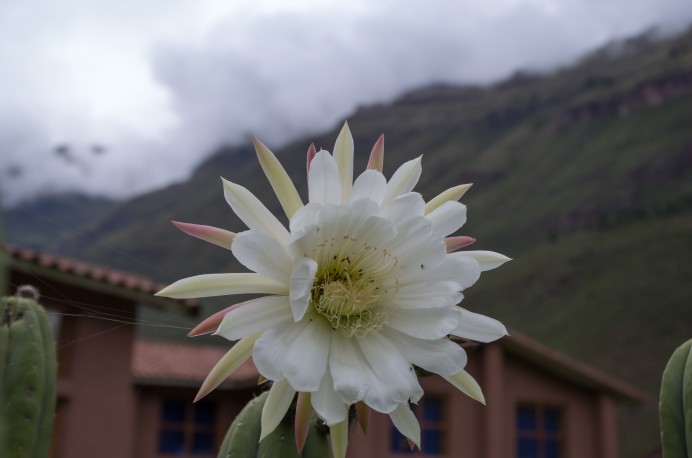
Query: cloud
[161,83]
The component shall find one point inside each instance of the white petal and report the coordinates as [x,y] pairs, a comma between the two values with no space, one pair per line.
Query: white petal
[478,327]
[261,253]
[434,294]
[257,316]
[305,217]
[252,212]
[343,155]
[324,182]
[222,284]
[447,218]
[391,368]
[403,180]
[279,400]
[415,244]
[433,323]
[302,278]
[406,422]
[403,207]
[296,351]
[464,271]
[370,184]
[270,349]
[354,379]
[467,385]
[487,260]
[327,403]
[440,356]
[305,361]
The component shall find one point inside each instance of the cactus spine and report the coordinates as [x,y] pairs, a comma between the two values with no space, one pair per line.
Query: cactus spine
[242,438]
[28,372]
[675,405]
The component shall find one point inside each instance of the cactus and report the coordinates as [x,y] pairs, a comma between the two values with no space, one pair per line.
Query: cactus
[28,372]
[675,405]
[242,438]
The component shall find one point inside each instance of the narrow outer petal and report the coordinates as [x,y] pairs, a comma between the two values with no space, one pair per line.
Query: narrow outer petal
[454,193]
[231,361]
[219,237]
[281,183]
[403,180]
[363,415]
[222,284]
[253,212]
[467,385]
[343,154]
[279,400]
[339,438]
[405,421]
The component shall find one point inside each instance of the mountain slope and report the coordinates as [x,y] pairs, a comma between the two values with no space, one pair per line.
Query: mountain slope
[584,177]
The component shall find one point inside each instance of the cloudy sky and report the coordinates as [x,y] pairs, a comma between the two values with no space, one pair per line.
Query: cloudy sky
[119,97]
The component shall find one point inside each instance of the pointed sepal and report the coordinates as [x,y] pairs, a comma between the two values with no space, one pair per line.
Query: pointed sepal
[279,400]
[457,243]
[339,438]
[281,183]
[219,237]
[467,385]
[237,355]
[303,417]
[376,161]
[343,154]
[311,155]
[452,194]
[363,415]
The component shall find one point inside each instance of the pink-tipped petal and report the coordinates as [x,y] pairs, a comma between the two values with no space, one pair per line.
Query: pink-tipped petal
[311,155]
[376,161]
[363,414]
[219,237]
[211,324]
[303,417]
[457,243]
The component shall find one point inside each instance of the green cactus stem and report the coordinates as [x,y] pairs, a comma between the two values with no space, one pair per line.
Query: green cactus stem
[242,438]
[28,372]
[675,405]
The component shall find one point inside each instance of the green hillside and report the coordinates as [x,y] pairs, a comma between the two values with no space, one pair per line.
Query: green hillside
[583,176]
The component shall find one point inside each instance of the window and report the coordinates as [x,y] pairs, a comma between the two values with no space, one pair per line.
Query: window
[540,431]
[187,429]
[431,416]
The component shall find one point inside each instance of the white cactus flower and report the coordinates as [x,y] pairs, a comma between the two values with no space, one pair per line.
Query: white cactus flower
[361,287]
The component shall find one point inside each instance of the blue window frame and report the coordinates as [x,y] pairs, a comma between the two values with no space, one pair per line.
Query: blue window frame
[540,431]
[431,416]
[187,430]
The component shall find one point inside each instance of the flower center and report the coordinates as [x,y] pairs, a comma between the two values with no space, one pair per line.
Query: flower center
[348,298]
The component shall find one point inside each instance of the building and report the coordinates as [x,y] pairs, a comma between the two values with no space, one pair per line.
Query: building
[121,397]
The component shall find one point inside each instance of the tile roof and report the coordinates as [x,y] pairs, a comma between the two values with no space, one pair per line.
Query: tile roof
[88,271]
[180,364]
